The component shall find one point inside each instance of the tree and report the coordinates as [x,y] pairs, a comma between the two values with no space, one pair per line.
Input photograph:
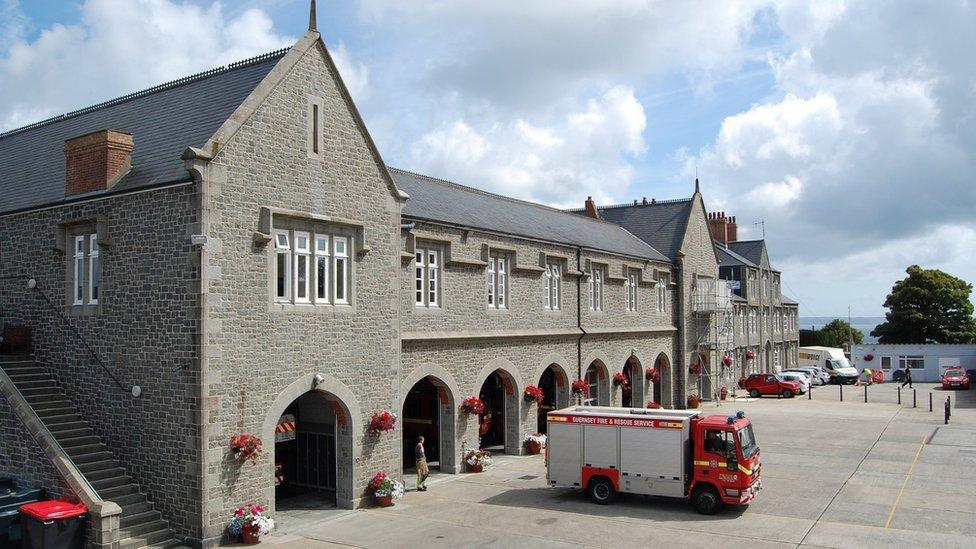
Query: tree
[810,338]
[838,333]
[929,306]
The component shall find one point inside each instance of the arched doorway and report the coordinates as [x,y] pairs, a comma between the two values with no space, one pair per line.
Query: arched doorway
[632,394]
[428,410]
[312,452]
[704,381]
[662,389]
[555,393]
[498,426]
[597,379]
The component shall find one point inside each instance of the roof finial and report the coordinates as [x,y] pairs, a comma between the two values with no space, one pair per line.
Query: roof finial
[311,16]
[697,190]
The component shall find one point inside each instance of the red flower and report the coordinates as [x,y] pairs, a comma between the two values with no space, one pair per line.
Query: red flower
[727,360]
[534,393]
[581,388]
[695,368]
[381,422]
[246,447]
[653,405]
[653,375]
[620,379]
[750,354]
[473,405]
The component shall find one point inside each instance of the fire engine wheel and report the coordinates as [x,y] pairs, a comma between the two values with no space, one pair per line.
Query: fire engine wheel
[754,393]
[705,500]
[601,490]
[787,393]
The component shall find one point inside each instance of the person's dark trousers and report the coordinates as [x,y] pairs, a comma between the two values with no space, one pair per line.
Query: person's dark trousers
[908,381]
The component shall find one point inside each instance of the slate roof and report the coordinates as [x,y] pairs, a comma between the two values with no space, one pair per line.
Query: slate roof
[749,249]
[728,257]
[447,202]
[661,224]
[163,120]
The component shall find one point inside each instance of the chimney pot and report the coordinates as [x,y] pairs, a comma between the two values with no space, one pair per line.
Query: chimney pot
[96,161]
[644,202]
[653,201]
[591,210]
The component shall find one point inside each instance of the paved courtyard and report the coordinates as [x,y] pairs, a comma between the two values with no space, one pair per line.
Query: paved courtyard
[835,475]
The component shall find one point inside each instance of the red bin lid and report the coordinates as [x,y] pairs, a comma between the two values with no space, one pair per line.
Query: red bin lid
[53,509]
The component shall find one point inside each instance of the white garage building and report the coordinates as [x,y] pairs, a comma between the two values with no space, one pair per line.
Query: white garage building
[927,360]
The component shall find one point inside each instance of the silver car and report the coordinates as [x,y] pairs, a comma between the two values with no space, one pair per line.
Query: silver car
[815,375]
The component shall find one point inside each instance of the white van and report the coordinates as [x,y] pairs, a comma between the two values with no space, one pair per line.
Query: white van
[830,359]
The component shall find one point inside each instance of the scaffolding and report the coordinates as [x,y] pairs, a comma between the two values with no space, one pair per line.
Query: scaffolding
[714,336]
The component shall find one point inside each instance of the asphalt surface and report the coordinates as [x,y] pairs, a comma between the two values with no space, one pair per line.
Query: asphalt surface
[835,474]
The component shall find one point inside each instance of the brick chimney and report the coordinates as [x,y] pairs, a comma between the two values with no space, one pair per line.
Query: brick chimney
[718,225]
[96,161]
[733,230]
[591,210]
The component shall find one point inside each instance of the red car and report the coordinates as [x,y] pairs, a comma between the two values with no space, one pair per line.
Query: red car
[770,384]
[955,378]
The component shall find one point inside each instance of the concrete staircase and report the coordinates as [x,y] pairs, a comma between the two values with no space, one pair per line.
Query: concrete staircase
[140,524]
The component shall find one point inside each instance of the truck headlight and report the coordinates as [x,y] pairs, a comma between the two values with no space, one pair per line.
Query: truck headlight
[731,493]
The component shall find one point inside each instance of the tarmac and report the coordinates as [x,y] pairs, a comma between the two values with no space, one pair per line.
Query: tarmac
[835,474]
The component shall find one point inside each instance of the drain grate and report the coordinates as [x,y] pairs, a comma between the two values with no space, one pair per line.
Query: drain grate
[529,477]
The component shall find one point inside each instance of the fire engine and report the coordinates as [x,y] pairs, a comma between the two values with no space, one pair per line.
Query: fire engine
[709,461]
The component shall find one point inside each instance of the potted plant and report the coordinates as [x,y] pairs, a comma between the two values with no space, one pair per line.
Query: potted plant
[250,523]
[620,379]
[385,489]
[580,388]
[534,443]
[694,401]
[750,354]
[246,447]
[477,460]
[533,393]
[381,422]
[473,405]
[653,375]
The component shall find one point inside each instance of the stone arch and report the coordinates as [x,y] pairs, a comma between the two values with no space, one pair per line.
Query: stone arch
[557,392]
[512,400]
[448,394]
[602,382]
[349,430]
[661,392]
[634,370]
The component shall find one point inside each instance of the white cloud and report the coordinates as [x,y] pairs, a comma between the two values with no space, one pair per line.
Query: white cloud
[119,47]
[354,75]
[587,150]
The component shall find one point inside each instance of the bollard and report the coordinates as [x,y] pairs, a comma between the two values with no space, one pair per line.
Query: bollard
[947,411]
[930,401]
[841,387]
[899,396]
[914,398]
[865,393]
[810,393]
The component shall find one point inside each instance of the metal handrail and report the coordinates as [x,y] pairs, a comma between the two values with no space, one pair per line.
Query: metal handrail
[135,390]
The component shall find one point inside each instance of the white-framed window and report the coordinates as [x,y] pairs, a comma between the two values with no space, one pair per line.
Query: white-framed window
[662,294]
[886,363]
[94,269]
[340,269]
[593,383]
[913,362]
[311,268]
[497,281]
[596,288]
[553,286]
[765,285]
[632,291]
[776,363]
[322,252]
[303,258]
[426,277]
[283,271]
[79,271]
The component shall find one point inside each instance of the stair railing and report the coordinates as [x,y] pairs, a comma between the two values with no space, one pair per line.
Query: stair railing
[135,390]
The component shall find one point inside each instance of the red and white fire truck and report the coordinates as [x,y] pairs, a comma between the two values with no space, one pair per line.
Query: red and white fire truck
[674,453]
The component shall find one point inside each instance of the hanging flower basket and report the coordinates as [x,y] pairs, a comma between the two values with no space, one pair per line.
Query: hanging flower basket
[653,375]
[534,443]
[385,489]
[868,357]
[581,388]
[250,523]
[654,405]
[246,447]
[750,354]
[695,368]
[727,360]
[477,460]
[533,393]
[620,379]
[473,405]
[382,422]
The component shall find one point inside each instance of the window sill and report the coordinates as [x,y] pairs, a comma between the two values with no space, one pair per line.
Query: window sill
[84,309]
[428,310]
[498,310]
[311,308]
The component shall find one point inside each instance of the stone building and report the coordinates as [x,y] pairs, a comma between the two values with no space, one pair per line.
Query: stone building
[228,254]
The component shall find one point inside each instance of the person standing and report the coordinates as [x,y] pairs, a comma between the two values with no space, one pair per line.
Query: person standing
[422,469]
[908,378]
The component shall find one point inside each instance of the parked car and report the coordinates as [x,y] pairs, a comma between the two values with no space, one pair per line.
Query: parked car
[813,375]
[770,384]
[798,377]
[955,378]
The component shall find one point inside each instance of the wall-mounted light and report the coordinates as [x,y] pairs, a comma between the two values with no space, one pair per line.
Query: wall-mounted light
[318,380]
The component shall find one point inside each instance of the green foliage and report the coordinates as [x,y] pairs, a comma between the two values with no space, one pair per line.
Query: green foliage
[838,333]
[929,306]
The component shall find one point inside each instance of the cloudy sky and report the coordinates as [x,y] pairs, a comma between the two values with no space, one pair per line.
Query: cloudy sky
[847,128]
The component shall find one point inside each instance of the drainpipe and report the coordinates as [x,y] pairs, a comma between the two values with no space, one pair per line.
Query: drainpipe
[679,371]
[579,314]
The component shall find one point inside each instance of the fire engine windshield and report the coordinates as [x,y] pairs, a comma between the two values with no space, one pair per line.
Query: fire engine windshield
[748,441]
